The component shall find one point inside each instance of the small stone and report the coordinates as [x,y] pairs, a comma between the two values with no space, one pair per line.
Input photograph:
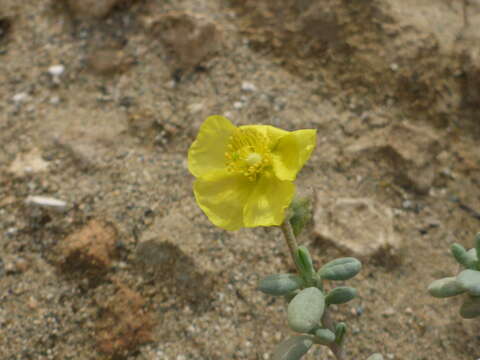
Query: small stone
[109,61]
[28,163]
[91,248]
[123,324]
[189,39]
[47,202]
[20,97]
[237,105]
[56,70]
[248,86]
[388,312]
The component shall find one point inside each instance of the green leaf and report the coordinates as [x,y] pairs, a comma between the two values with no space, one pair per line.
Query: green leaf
[470,307]
[467,259]
[293,348]
[477,248]
[305,263]
[340,269]
[469,280]
[280,284]
[306,309]
[340,330]
[376,356]
[340,295]
[324,336]
[301,214]
[445,287]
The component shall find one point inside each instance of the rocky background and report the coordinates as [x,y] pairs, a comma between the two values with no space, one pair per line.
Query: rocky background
[103,251]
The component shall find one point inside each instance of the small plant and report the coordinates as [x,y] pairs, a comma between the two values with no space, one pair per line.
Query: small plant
[244,178]
[466,283]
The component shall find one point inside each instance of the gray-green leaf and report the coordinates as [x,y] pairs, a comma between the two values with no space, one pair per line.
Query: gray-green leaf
[340,330]
[293,348]
[324,336]
[340,269]
[306,309]
[340,295]
[469,280]
[445,287]
[470,307]
[280,284]
[463,257]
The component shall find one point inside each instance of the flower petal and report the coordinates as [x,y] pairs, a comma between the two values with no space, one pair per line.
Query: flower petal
[222,197]
[267,203]
[291,153]
[272,133]
[207,152]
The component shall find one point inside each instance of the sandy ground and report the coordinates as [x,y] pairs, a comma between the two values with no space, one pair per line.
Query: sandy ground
[99,102]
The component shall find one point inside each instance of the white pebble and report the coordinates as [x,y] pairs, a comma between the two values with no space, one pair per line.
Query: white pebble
[56,70]
[248,86]
[20,97]
[46,202]
[237,105]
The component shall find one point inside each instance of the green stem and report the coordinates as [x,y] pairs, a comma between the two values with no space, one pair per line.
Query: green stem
[291,240]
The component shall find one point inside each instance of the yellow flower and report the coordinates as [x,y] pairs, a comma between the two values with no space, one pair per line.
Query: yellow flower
[245,174]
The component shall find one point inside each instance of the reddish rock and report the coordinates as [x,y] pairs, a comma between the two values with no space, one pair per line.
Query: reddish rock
[91,248]
[123,324]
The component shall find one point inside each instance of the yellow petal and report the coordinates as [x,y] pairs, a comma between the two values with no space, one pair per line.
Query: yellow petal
[272,133]
[291,153]
[222,197]
[267,204]
[207,152]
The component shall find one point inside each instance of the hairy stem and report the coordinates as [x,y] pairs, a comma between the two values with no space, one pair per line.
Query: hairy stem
[291,240]
[337,349]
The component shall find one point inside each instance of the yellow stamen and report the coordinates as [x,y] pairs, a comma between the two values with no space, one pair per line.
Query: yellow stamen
[248,153]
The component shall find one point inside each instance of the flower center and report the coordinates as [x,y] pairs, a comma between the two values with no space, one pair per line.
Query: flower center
[247,153]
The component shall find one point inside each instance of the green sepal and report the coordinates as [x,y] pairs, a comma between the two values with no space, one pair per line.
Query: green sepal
[305,264]
[293,348]
[324,336]
[306,309]
[280,284]
[376,356]
[340,269]
[469,280]
[340,295]
[467,259]
[301,213]
[445,287]
[340,330]
[470,307]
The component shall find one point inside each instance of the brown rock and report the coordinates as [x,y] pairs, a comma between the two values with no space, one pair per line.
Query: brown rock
[123,324]
[188,39]
[409,150]
[92,8]
[91,248]
[109,61]
[359,226]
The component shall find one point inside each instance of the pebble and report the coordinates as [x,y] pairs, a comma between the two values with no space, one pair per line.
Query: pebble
[20,97]
[237,105]
[56,70]
[46,202]
[248,86]
[388,312]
